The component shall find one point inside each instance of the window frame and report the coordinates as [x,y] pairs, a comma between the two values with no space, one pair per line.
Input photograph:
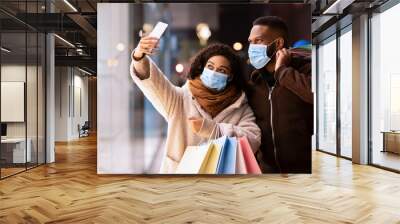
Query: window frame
[338,33]
[378,10]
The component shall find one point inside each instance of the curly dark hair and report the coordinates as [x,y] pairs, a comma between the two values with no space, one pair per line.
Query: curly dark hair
[201,58]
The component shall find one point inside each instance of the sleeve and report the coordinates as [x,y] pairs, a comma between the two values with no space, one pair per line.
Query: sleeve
[298,83]
[246,127]
[162,94]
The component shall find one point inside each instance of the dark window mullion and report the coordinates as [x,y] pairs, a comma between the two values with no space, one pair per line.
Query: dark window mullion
[26,87]
[369,97]
[338,98]
[317,97]
[37,90]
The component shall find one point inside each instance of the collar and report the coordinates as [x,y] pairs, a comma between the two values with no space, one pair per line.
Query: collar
[257,74]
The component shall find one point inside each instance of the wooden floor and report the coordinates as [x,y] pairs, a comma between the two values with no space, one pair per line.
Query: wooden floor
[10,171]
[70,191]
[387,159]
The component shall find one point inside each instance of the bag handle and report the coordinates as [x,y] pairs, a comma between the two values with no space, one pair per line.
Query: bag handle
[215,132]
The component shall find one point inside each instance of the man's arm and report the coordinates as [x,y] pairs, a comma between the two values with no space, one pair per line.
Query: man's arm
[297,82]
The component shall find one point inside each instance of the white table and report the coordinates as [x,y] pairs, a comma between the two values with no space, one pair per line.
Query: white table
[18,145]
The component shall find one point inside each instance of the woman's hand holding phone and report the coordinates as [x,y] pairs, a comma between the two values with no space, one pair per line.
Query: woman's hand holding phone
[147,45]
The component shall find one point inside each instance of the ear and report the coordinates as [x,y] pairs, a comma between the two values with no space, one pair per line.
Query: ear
[280,43]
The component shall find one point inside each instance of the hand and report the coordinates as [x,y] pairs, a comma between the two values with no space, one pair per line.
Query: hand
[195,123]
[282,58]
[147,45]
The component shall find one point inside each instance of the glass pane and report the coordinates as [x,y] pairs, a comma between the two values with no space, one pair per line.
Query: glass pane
[31,87]
[345,94]
[41,98]
[31,100]
[13,89]
[327,96]
[385,84]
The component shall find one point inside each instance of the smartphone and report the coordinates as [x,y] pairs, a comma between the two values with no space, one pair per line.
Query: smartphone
[158,30]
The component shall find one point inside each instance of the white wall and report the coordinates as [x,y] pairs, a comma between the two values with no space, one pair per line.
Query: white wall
[69,82]
[61,103]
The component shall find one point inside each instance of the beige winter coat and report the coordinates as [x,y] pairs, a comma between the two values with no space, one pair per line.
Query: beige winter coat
[176,105]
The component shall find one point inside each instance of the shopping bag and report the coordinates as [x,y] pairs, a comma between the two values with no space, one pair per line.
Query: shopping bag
[194,159]
[211,163]
[240,163]
[252,166]
[227,159]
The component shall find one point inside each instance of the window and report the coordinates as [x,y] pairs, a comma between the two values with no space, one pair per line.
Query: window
[327,95]
[22,78]
[345,92]
[385,89]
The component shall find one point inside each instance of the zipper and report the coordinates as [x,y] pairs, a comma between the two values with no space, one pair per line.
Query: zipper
[272,127]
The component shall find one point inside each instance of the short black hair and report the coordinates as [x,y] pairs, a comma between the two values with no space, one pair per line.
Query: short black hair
[275,23]
[200,59]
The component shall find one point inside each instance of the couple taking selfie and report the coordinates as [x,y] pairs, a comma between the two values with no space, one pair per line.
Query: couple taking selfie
[272,107]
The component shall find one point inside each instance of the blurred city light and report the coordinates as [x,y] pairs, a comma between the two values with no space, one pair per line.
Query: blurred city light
[120,47]
[179,68]
[237,46]
[112,62]
[203,33]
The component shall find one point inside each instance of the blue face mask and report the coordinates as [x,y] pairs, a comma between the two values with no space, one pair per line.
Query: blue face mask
[258,55]
[214,80]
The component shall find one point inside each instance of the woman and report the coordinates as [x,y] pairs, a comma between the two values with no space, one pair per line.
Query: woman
[210,99]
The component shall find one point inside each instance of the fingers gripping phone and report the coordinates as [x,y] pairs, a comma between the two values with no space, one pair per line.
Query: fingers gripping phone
[158,30]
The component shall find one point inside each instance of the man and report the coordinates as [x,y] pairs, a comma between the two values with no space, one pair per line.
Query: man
[279,92]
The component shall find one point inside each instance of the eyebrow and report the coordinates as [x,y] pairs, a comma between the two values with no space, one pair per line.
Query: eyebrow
[257,37]
[223,66]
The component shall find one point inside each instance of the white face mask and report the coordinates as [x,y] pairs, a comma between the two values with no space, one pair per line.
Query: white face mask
[214,80]
[258,55]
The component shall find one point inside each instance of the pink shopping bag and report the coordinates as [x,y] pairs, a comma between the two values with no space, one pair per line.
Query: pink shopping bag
[240,163]
[252,166]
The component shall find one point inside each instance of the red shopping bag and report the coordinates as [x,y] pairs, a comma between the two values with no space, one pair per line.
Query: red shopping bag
[252,166]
